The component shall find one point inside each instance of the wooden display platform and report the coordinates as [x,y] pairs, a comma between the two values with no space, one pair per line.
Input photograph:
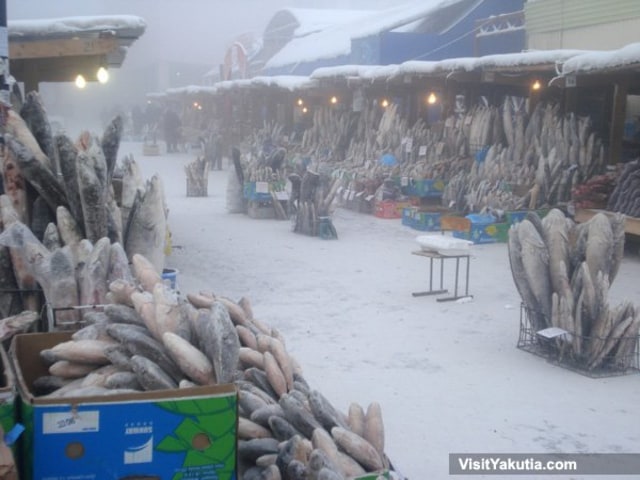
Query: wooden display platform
[631,224]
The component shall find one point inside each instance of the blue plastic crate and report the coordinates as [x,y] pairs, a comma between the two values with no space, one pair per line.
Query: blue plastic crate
[251,194]
[408,214]
[427,221]
[483,229]
[515,216]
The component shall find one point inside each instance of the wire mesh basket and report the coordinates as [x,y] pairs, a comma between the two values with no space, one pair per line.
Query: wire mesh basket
[579,353]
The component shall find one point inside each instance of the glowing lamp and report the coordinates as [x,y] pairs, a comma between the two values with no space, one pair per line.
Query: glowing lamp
[102,75]
[334,100]
[431,99]
[80,81]
[536,85]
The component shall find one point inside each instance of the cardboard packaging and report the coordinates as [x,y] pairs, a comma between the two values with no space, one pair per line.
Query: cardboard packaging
[160,435]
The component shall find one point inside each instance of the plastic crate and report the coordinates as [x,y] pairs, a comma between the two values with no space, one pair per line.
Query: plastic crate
[424,187]
[502,232]
[250,193]
[408,214]
[387,209]
[560,350]
[427,221]
[483,229]
[515,216]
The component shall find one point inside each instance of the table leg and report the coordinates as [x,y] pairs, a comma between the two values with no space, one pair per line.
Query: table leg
[431,291]
[455,293]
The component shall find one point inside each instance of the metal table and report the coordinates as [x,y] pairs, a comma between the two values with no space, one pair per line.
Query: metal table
[437,256]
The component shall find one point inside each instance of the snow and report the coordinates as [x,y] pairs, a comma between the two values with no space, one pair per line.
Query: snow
[512,61]
[65,25]
[285,82]
[594,61]
[312,20]
[335,40]
[448,375]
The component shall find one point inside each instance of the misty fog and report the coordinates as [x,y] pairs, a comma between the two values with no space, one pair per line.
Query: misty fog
[190,35]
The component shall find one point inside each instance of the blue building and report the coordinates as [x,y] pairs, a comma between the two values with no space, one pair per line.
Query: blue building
[425,30]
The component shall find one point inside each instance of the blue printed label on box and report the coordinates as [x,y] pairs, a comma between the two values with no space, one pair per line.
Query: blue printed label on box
[174,434]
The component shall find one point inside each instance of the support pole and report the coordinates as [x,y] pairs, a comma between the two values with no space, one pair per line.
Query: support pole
[5,95]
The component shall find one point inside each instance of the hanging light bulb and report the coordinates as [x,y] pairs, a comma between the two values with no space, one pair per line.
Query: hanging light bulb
[384,103]
[102,75]
[300,102]
[536,85]
[80,81]
[334,100]
[305,109]
[431,99]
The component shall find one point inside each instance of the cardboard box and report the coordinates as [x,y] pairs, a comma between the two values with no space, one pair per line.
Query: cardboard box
[383,475]
[168,434]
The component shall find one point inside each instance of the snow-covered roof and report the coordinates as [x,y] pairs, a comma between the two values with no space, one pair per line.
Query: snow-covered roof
[20,29]
[103,39]
[603,60]
[564,60]
[507,61]
[335,41]
[314,20]
[284,82]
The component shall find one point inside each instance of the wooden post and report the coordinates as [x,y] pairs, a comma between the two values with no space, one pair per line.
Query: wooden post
[5,92]
[617,121]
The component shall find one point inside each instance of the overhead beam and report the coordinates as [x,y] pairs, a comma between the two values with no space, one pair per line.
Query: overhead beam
[72,47]
[60,69]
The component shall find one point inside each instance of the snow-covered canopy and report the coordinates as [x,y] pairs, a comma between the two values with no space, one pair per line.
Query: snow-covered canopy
[507,61]
[335,41]
[563,61]
[74,25]
[285,82]
[605,60]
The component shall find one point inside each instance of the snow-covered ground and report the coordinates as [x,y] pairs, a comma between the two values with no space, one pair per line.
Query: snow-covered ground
[448,375]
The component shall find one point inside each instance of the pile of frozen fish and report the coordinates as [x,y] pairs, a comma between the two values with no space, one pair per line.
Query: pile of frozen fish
[150,337]
[61,199]
[563,272]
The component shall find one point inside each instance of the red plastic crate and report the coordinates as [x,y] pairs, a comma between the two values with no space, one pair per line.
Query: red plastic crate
[387,209]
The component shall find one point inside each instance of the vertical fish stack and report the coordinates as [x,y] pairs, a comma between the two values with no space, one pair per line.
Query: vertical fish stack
[625,197]
[563,272]
[60,196]
[197,177]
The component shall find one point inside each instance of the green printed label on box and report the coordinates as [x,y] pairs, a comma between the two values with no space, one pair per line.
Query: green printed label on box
[180,438]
